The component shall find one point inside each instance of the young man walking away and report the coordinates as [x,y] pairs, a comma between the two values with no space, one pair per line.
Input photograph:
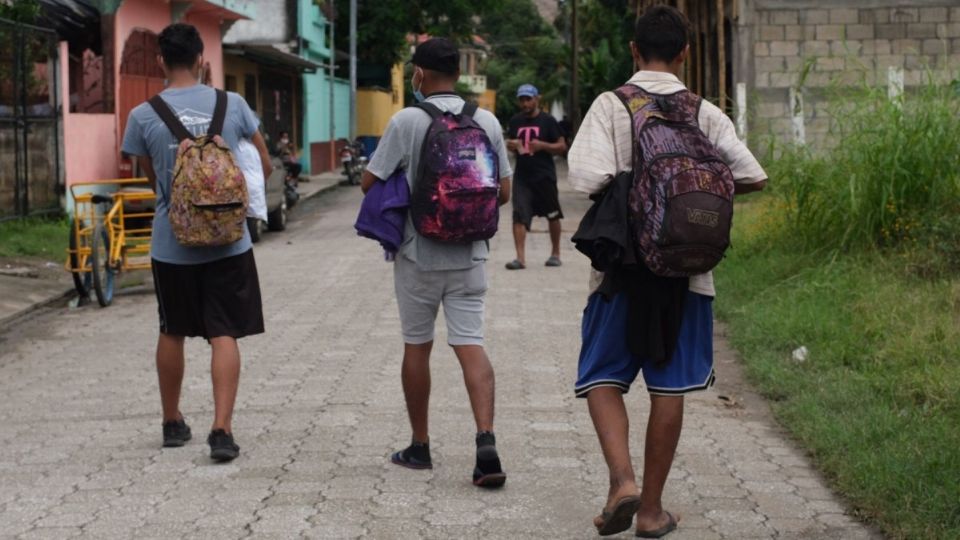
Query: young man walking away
[430,272]
[602,149]
[535,137]
[211,291]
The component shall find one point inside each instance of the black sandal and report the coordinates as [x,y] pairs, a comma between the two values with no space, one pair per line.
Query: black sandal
[620,517]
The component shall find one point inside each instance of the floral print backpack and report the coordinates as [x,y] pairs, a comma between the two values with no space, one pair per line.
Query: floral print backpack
[208,195]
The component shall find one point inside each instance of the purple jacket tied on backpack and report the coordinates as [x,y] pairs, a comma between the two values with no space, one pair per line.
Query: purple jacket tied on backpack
[383,213]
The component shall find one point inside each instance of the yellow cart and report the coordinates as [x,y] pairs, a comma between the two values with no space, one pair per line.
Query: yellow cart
[109,234]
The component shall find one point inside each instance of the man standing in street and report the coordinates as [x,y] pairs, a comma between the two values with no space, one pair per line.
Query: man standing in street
[603,149]
[429,272]
[211,291]
[535,137]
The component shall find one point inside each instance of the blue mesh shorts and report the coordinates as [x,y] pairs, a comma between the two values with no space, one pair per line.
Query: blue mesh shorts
[605,359]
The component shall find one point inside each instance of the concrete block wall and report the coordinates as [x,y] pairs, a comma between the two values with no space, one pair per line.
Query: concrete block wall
[837,44]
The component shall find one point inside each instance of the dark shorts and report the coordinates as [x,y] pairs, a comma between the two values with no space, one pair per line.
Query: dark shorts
[214,299]
[537,197]
[605,358]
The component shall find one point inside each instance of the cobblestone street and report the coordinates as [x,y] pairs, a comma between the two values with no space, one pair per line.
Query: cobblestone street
[321,408]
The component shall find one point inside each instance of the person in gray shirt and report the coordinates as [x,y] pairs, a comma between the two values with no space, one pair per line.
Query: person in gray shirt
[428,273]
[210,292]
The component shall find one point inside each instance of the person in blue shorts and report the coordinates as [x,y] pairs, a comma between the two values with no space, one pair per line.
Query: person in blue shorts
[603,148]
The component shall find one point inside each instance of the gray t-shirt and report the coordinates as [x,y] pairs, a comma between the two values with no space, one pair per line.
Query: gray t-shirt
[400,147]
[147,135]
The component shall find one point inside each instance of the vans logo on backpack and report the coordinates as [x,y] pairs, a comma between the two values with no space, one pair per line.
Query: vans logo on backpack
[681,198]
[706,218]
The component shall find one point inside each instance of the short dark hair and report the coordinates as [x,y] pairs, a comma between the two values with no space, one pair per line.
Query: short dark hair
[180,45]
[662,32]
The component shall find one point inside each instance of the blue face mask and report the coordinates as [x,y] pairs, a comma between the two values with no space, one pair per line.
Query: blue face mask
[417,94]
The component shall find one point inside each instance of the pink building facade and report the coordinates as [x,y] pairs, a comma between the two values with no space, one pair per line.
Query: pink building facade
[126,74]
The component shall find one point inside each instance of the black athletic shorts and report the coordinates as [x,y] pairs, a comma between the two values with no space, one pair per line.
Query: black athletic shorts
[538,197]
[214,299]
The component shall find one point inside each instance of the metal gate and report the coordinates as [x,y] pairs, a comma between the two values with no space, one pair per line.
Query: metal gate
[30,165]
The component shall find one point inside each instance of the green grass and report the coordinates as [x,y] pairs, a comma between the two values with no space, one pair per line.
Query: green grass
[893,166]
[34,237]
[878,401]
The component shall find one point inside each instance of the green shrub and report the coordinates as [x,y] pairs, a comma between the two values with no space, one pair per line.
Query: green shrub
[892,174]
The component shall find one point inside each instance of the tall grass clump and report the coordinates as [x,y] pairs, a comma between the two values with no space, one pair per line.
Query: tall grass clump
[891,173]
[877,400]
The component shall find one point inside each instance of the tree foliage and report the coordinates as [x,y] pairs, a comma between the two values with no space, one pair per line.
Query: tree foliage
[524,49]
[382,25]
[25,11]
[605,32]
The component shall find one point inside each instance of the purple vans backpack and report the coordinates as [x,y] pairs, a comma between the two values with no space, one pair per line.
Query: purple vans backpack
[681,201]
[455,195]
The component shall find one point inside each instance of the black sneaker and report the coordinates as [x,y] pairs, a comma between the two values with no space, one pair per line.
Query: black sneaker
[415,456]
[488,473]
[176,433]
[222,447]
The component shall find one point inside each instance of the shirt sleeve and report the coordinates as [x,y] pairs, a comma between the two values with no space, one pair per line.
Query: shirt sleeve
[389,153]
[133,143]
[503,158]
[551,130]
[595,156]
[720,130]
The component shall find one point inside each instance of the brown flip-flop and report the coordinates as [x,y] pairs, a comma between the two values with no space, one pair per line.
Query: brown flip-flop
[662,531]
[620,517]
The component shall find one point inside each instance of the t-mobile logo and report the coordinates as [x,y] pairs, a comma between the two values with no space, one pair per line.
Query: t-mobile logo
[527,134]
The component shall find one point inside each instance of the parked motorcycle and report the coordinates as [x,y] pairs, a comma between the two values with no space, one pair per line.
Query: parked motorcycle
[353,161]
[290,184]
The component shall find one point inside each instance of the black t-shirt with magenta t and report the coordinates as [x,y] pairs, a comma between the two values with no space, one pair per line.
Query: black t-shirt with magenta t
[539,165]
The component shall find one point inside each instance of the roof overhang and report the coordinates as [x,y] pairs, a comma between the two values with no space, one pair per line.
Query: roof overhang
[228,10]
[271,56]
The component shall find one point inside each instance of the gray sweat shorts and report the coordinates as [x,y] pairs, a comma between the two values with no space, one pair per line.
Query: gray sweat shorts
[420,293]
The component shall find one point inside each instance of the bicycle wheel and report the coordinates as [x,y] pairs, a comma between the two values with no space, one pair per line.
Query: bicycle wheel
[100,265]
[82,278]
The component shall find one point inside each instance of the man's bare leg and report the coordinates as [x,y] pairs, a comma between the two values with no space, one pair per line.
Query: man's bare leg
[663,434]
[519,241]
[415,375]
[555,229]
[225,371]
[613,428]
[480,382]
[170,367]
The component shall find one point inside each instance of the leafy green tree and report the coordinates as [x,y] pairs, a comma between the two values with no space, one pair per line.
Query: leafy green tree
[25,11]
[524,49]
[382,25]
[604,34]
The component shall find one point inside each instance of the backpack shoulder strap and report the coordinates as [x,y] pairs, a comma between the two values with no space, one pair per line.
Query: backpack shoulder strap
[430,109]
[469,109]
[219,114]
[624,94]
[169,118]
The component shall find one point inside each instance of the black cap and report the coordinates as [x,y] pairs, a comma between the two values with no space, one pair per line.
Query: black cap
[437,54]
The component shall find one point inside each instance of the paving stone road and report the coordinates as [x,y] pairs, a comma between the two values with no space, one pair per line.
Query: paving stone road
[321,408]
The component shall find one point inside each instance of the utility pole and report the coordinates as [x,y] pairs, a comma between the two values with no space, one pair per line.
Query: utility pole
[353,70]
[332,67]
[574,69]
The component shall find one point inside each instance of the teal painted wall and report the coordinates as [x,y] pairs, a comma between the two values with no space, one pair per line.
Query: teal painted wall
[312,28]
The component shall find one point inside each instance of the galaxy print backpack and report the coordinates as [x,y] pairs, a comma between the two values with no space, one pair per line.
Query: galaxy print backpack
[455,198]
